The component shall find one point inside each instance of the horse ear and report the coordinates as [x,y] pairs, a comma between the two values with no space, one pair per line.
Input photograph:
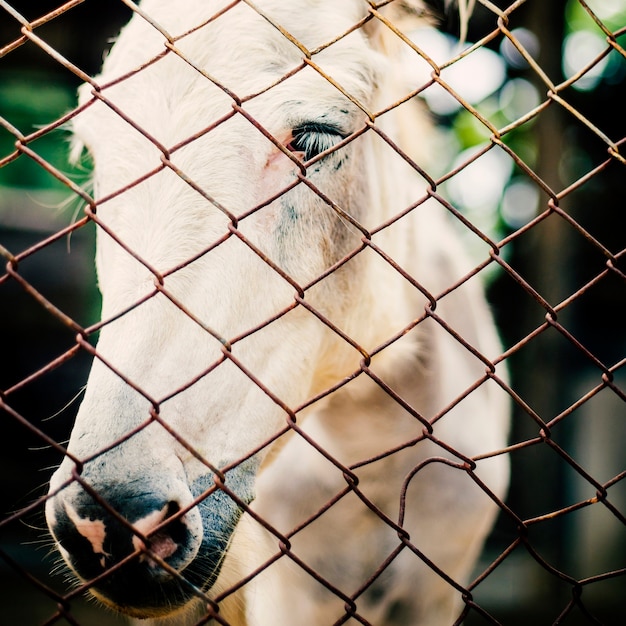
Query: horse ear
[407,15]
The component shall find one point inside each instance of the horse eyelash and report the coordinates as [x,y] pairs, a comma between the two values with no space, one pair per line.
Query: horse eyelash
[313,138]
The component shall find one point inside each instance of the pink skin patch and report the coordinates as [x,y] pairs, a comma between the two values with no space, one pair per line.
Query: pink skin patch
[161,544]
[278,164]
[92,530]
[277,173]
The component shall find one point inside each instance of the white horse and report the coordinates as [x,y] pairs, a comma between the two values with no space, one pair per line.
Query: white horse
[255,251]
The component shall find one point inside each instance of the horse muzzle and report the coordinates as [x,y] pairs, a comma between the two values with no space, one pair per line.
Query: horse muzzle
[149,545]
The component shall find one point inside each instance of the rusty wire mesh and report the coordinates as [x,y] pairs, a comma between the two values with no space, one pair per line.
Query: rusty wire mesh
[558,553]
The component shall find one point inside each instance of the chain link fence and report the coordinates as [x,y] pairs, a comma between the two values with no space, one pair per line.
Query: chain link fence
[530,169]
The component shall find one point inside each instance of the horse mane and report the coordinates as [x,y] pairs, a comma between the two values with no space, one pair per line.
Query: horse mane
[407,15]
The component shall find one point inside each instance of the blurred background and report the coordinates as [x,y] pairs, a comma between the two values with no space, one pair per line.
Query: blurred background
[557,375]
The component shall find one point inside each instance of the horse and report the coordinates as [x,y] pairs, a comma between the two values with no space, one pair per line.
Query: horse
[293,413]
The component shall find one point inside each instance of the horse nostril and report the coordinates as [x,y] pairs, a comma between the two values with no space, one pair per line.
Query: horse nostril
[172,508]
[163,538]
[94,538]
[135,545]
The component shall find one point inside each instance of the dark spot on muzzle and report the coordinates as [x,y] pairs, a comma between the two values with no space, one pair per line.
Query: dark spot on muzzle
[121,551]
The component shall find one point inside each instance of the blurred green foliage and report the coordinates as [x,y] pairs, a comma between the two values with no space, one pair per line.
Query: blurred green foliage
[29,102]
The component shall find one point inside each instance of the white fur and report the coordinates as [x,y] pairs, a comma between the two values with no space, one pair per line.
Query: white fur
[164,222]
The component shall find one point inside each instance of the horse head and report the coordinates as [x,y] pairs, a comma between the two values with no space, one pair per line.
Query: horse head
[236,174]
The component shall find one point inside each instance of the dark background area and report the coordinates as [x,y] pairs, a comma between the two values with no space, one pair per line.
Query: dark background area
[549,374]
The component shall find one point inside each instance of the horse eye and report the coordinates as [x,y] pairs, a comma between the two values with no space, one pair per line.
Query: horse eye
[312,139]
